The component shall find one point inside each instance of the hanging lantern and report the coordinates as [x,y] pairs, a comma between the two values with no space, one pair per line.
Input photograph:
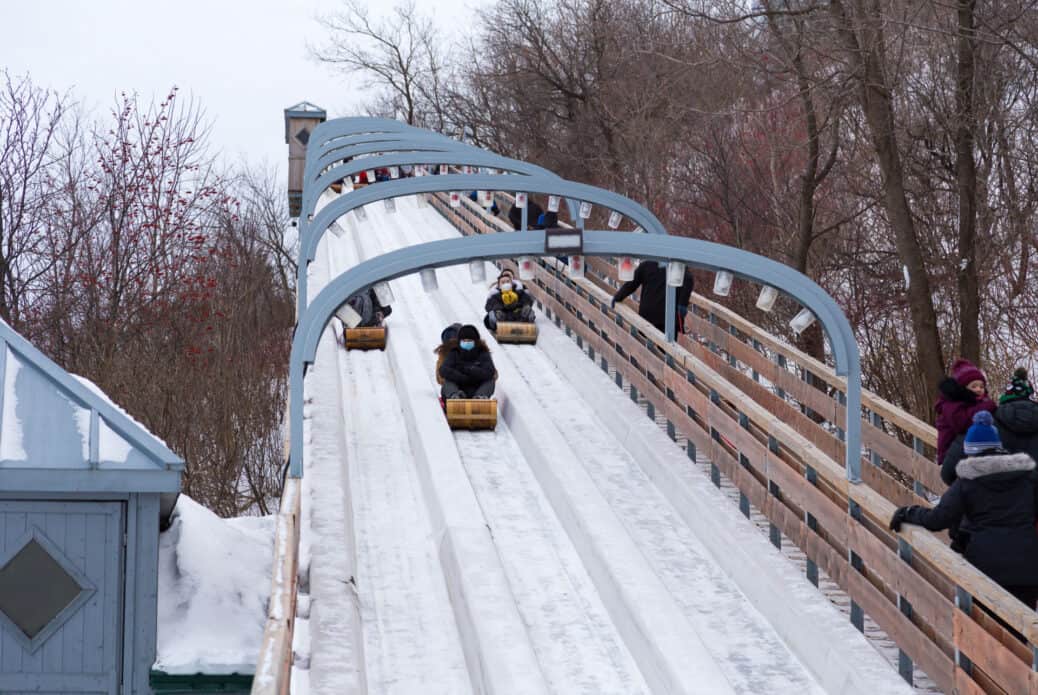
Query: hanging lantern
[801,321]
[585,210]
[337,230]
[478,272]
[625,268]
[455,199]
[443,169]
[639,230]
[488,198]
[553,203]
[766,300]
[359,212]
[394,172]
[370,175]
[428,277]
[614,219]
[723,283]
[526,271]
[384,293]
[675,274]
[576,266]
[419,170]
[468,169]
[390,204]
[520,200]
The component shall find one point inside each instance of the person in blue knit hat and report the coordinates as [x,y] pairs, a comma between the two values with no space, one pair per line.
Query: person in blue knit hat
[999,492]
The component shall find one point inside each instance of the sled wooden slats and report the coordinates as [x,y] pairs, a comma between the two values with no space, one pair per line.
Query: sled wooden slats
[760,440]
[471,414]
[515,332]
[365,338]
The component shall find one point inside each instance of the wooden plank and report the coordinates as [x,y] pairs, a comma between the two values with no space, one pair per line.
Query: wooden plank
[964,685]
[998,663]
[913,641]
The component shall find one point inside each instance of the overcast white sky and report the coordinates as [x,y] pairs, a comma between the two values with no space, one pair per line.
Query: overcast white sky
[244,60]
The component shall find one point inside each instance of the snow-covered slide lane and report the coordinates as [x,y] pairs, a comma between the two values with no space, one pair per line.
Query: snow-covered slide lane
[752,653]
[498,654]
[411,642]
[576,645]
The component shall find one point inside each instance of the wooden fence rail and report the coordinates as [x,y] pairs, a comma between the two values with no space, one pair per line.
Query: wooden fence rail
[936,606]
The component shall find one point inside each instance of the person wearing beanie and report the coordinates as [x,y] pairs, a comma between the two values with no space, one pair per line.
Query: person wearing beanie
[448,339]
[508,302]
[467,370]
[1015,419]
[999,491]
[962,395]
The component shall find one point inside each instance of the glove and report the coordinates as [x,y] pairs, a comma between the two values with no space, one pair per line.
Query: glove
[899,518]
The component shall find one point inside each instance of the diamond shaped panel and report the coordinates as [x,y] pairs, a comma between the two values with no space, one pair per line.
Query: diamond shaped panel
[35,588]
[303,136]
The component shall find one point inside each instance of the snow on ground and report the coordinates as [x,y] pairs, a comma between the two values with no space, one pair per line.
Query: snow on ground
[214,580]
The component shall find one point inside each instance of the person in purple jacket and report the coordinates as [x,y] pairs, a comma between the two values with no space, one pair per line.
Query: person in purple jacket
[963,395]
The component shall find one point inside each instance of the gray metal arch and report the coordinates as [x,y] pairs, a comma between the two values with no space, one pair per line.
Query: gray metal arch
[435,184]
[693,252]
[321,161]
[355,125]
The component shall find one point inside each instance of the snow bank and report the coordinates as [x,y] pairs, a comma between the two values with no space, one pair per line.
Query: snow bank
[214,581]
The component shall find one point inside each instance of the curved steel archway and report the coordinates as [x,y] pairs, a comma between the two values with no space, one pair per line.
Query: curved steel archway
[693,252]
[440,184]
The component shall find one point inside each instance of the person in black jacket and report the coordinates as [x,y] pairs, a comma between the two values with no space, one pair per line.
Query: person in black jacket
[467,370]
[508,302]
[998,492]
[533,211]
[651,277]
[367,306]
[1016,419]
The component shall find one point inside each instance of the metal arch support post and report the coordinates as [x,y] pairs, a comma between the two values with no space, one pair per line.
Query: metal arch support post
[435,184]
[693,252]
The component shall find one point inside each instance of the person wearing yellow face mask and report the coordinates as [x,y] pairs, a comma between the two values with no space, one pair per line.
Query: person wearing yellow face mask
[508,302]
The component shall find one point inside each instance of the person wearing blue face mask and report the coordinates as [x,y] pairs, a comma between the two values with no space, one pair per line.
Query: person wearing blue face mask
[468,371]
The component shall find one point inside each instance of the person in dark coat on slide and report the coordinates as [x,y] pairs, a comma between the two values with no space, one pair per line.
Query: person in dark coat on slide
[998,492]
[468,370]
[533,211]
[651,277]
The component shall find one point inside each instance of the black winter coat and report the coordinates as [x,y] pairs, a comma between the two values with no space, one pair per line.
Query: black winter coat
[495,303]
[468,368]
[652,305]
[999,494]
[533,211]
[1017,424]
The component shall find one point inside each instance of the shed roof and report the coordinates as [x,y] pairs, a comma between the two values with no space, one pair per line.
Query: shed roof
[60,433]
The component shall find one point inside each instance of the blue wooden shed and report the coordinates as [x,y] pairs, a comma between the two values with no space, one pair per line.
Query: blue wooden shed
[82,489]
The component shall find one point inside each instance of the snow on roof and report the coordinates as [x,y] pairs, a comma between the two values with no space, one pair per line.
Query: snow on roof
[214,581]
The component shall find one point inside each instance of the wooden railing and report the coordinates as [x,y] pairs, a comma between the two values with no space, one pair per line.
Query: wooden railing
[939,609]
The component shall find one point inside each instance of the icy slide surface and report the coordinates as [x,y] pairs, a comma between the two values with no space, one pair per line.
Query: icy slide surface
[571,550]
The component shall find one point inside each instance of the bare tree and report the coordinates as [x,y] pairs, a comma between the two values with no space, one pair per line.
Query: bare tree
[400,56]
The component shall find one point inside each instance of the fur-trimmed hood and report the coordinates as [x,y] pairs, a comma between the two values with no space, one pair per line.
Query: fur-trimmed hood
[980,466]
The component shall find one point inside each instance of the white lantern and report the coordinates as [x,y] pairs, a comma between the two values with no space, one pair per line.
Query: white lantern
[520,200]
[390,204]
[801,321]
[370,174]
[675,273]
[419,170]
[468,169]
[337,230]
[359,212]
[525,268]
[766,300]
[394,172]
[625,268]
[478,272]
[614,219]
[455,199]
[585,210]
[384,293]
[443,169]
[639,230]
[428,277]
[576,266]
[723,283]
[488,198]
[553,203]
[348,316]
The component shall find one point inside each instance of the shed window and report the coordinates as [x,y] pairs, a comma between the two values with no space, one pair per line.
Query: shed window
[35,588]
